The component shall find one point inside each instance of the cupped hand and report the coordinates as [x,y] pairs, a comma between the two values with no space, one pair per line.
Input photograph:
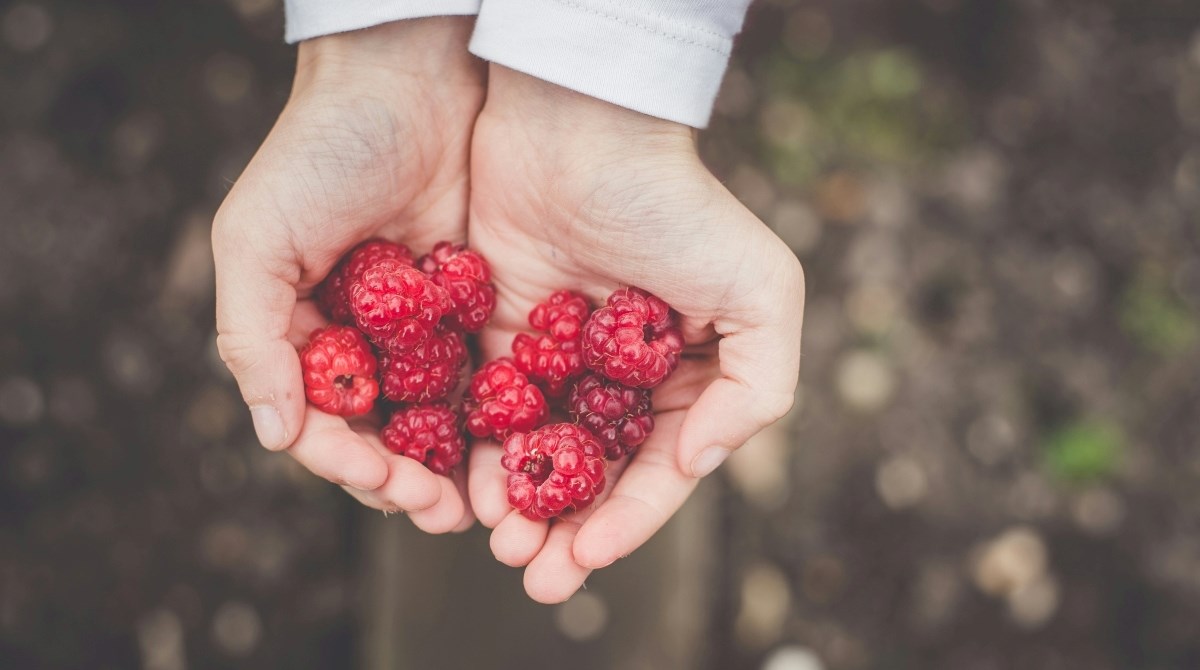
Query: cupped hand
[373,142]
[571,192]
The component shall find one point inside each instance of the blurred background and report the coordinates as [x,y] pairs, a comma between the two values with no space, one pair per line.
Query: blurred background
[995,457]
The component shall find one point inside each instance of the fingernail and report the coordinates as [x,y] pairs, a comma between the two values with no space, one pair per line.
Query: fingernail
[268,425]
[709,460]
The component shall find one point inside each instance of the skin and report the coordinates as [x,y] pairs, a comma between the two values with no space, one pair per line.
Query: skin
[387,134]
[572,192]
[374,141]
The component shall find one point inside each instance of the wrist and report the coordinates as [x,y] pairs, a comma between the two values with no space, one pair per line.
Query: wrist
[551,112]
[391,56]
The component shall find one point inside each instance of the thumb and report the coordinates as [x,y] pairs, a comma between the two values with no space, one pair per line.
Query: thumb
[759,358]
[256,297]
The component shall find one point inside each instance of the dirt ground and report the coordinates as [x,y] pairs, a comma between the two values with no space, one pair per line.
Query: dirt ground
[995,458]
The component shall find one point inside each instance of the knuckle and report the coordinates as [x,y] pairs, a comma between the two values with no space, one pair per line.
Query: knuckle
[774,406]
[238,355]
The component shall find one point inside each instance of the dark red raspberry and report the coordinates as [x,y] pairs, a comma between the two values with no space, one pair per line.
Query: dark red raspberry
[339,371]
[619,416]
[501,401]
[429,372]
[554,359]
[397,306]
[428,434]
[333,294]
[468,278]
[554,469]
[634,339]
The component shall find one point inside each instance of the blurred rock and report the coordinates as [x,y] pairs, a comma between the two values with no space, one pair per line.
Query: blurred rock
[822,579]
[792,658]
[759,470]
[160,638]
[228,77]
[1098,511]
[21,401]
[865,380]
[582,618]
[236,628]
[900,482]
[753,187]
[26,27]
[1033,605]
[1011,562]
[797,224]
[991,439]
[765,601]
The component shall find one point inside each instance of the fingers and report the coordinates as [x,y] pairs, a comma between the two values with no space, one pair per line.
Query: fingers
[487,483]
[648,493]
[517,540]
[328,448]
[553,574]
[759,356]
[255,300]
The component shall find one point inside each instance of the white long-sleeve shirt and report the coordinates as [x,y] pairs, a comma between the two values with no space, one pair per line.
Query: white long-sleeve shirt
[664,58]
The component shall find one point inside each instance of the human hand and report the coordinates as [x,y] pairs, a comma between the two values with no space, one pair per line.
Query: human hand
[374,142]
[572,192]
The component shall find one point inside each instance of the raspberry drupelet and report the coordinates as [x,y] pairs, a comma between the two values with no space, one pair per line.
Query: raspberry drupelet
[501,400]
[554,358]
[634,339]
[397,306]
[333,294]
[619,416]
[428,434]
[430,371]
[554,469]
[468,279]
[339,371]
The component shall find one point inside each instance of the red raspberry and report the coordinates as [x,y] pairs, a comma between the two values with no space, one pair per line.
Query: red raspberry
[553,364]
[428,434]
[619,416]
[556,358]
[501,401]
[429,372]
[562,315]
[468,278]
[634,339]
[554,468]
[333,294]
[339,371]
[397,306]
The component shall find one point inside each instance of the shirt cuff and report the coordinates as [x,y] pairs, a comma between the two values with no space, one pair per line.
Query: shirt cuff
[654,58]
[314,18]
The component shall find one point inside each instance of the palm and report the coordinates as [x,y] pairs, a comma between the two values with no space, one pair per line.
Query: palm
[592,223]
[365,159]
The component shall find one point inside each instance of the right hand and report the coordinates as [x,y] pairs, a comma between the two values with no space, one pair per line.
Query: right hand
[374,142]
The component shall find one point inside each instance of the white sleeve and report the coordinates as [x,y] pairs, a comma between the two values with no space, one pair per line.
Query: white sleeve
[664,58]
[313,18]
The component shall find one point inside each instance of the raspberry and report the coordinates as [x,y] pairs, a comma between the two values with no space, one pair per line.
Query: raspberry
[554,359]
[553,364]
[339,371]
[619,416]
[333,294]
[554,468]
[429,372]
[468,278]
[428,434]
[501,401]
[397,306]
[562,315]
[634,339]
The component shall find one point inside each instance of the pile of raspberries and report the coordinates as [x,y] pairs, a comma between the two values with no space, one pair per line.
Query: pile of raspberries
[398,336]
